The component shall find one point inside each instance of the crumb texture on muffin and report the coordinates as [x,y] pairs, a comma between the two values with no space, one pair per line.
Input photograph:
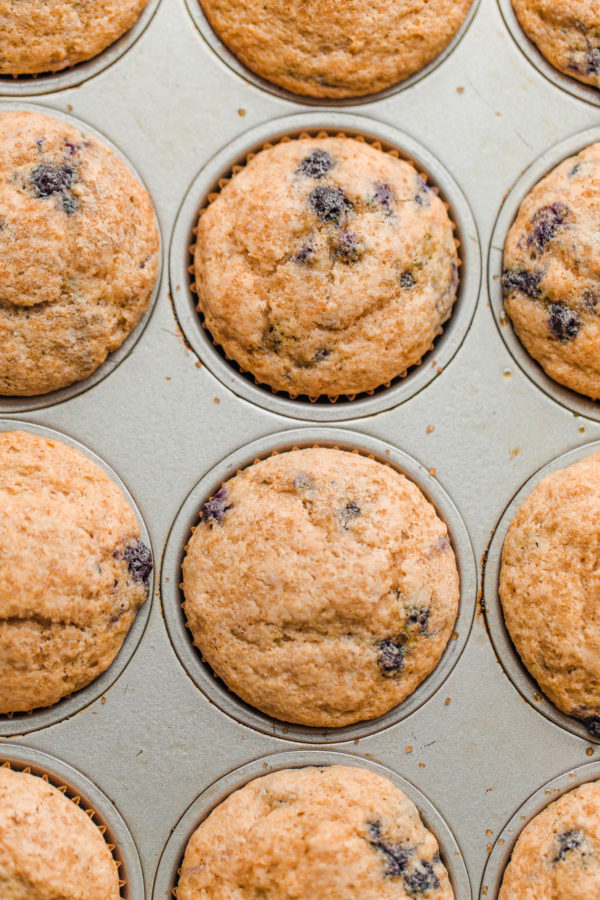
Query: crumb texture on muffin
[550,588]
[49,847]
[321,586]
[73,571]
[556,856]
[43,36]
[325,267]
[337,831]
[551,278]
[566,32]
[327,49]
[78,253]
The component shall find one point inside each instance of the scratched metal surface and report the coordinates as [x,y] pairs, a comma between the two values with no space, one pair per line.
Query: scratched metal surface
[154,742]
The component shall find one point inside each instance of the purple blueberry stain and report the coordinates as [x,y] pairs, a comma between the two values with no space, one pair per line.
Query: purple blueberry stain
[139,561]
[214,509]
[330,203]
[391,657]
[568,841]
[575,170]
[305,255]
[546,223]
[522,280]
[592,61]
[421,879]
[321,354]
[564,323]
[591,301]
[423,194]
[347,247]
[407,281]
[396,857]
[384,197]
[48,179]
[317,164]
[401,862]
[303,482]
[419,616]
[350,511]
[454,276]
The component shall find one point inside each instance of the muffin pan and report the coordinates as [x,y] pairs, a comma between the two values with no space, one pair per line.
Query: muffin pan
[173,416]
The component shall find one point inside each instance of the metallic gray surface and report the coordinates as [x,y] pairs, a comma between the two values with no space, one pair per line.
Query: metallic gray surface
[158,742]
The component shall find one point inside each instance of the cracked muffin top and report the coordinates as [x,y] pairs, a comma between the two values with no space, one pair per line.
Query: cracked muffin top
[74,571]
[551,278]
[321,586]
[40,36]
[49,847]
[557,854]
[337,831]
[567,33]
[325,266]
[78,253]
[327,49]
[550,588]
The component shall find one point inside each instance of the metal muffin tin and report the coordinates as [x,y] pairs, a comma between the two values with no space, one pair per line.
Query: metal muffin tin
[165,420]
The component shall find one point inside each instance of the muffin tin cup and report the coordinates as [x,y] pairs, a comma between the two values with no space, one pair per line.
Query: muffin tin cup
[10,404]
[90,798]
[25,722]
[505,842]
[571,85]
[235,65]
[500,638]
[243,384]
[172,595]
[542,166]
[167,875]
[30,85]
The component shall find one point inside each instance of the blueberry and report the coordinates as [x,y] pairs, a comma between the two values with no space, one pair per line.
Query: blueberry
[321,354]
[391,657]
[347,248]
[546,221]
[303,482]
[591,300]
[575,170]
[396,857]
[422,879]
[407,281]
[47,179]
[423,195]
[569,840]
[69,204]
[419,617]
[305,253]
[592,61]
[384,196]
[330,204]
[349,512]
[523,281]
[592,723]
[564,322]
[139,562]
[215,508]
[317,164]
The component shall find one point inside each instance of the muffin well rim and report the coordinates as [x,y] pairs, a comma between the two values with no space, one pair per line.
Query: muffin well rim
[22,723]
[228,58]
[578,89]
[213,688]
[32,85]
[77,784]
[10,405]
[165,880]
[184,300]
[505,841]
[539,168]
[504,648]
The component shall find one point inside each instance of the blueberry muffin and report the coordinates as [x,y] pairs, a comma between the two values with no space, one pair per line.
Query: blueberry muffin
[49,848]
[39,36]
[551,276]
[566,32]
[557,855]
[337,831]
[74,571]
[322,49]
[549,585]
[78,253]
[325,267]
[320,586]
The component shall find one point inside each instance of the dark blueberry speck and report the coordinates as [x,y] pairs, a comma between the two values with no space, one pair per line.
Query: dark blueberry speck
[391,657]
[569,840]
[419,617]
[575,170]
[347,248]
[350,511]
[521,280]
[305,254]
[423,195]
[564,322]
[139,561]
[47,179]
[592,723]
[546,221]
[330,204]
[592,61]
[591,301]
[317,164]
[384,196]
[303,482]
[396,857]
[214,509]
[422,879]
[321,354]
[69,204]
[407,281]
